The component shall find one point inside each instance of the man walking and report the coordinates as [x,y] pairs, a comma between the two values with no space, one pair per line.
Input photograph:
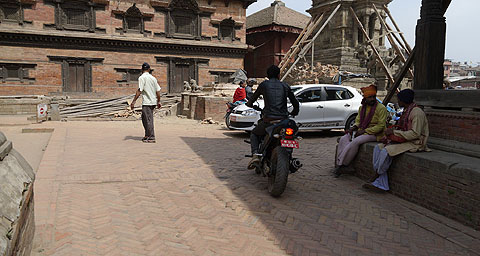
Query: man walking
[150,90]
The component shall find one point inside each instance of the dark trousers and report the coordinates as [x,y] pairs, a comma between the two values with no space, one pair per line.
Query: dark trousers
[147,121]
[257,135]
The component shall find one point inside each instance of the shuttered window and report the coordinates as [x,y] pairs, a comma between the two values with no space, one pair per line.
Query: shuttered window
[134,23]
[10,13]
[226,32]
[183,25]
[13,71]
[76,17]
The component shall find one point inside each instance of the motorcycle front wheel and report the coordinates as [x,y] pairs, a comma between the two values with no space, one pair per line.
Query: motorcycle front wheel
[277,181]
[227,120]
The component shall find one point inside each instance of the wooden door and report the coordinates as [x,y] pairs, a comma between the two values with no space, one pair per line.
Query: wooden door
[182,73]
[76,78]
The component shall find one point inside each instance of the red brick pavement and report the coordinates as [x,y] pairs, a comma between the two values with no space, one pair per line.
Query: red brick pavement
[100,191]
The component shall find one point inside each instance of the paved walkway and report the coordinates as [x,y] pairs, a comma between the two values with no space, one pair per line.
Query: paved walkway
[101,191]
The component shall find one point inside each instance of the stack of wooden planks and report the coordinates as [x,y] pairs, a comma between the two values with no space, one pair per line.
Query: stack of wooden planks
[117,108]
[98,108]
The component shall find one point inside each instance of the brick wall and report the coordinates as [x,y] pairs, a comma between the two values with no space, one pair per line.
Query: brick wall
[201,107]
[47,75]
[443,182]
[455,125]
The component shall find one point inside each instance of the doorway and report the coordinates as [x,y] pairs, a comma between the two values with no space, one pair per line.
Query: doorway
[76,81]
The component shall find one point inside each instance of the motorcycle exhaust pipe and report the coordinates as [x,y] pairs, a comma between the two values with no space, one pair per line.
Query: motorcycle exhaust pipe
[295,164]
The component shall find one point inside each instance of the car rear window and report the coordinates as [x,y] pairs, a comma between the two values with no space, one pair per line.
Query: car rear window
[338,94]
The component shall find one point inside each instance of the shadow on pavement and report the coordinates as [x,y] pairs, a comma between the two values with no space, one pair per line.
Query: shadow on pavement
[296,216]
[133,138]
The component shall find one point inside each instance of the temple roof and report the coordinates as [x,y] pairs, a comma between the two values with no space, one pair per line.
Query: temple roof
[277,14]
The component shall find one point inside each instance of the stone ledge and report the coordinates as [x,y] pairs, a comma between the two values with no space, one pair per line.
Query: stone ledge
[16,202]
[443,182]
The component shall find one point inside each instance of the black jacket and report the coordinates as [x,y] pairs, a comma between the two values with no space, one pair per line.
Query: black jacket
[275,95]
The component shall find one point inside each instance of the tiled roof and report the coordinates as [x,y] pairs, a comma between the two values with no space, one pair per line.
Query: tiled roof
[277,14]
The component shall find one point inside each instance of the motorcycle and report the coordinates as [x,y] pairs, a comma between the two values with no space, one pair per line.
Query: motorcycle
[276,154]
[230,107]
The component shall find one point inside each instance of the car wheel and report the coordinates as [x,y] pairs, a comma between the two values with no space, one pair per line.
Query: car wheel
[350,122]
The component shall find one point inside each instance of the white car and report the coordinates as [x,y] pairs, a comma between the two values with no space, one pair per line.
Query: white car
[322,107]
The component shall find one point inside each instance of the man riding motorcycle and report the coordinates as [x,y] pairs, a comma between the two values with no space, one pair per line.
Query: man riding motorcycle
[275,94]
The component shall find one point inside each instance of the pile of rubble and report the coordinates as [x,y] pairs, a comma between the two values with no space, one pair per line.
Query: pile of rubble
[305,74]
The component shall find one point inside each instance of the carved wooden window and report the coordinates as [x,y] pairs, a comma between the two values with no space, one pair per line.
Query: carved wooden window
[15,71]
[222,76]
[134,23]
[76,17]
[133,20]
[183,25]
[11,11]
[226,30]
[129,75]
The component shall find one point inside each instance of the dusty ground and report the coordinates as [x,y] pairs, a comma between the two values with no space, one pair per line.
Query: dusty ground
[101,191]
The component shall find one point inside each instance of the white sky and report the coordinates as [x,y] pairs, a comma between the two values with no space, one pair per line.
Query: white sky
[463,24]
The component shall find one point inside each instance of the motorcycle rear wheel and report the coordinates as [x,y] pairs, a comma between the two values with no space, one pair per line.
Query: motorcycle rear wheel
[277,181]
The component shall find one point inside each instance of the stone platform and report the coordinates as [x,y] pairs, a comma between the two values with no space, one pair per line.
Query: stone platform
[446,183]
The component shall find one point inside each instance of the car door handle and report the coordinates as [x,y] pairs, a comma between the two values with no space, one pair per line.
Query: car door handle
[320,106]
[347,105]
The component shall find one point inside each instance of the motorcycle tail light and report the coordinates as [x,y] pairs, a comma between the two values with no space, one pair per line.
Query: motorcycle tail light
[289,131]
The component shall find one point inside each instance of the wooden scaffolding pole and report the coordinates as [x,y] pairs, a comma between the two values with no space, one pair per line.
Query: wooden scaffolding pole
[408,48]
[311,42]
[390,38]
[301,40]
[375,51]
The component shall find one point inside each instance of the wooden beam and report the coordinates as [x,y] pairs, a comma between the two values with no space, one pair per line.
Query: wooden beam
[399,78]
[300,43]
[397,28]
[409,62]
[375,51]
[309,45]
[390,38]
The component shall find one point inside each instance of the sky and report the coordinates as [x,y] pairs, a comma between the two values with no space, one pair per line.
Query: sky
[463,19]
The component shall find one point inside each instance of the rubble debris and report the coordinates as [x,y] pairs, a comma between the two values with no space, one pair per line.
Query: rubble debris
[209,121]
[305,74]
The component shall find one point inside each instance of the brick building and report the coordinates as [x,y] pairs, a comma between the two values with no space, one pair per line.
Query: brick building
[94,48]
[271,31]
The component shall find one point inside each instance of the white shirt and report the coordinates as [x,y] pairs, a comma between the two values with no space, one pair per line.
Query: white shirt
[148,85]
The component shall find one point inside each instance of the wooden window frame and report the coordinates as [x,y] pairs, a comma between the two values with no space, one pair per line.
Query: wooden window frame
[132,12]
[20,11]
[89,7]
[22,72]
[66,60]
[219,74]
[127,75]
[227,24]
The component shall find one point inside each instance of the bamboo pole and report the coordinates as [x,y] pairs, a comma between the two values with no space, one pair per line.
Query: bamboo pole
[375,51]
